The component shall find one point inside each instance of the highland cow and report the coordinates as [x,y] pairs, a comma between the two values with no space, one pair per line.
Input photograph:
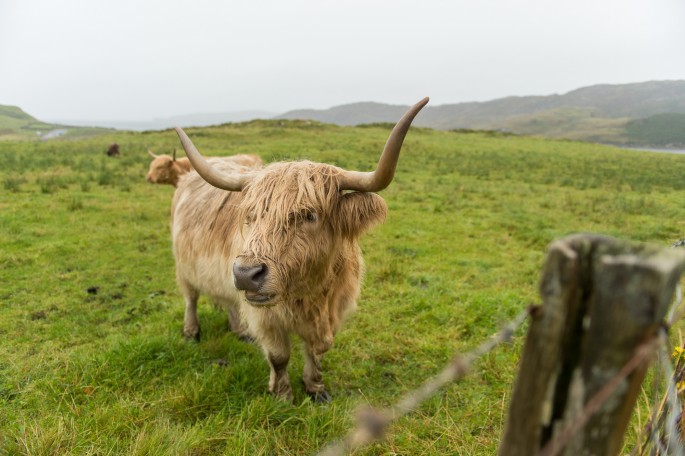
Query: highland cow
[281,245]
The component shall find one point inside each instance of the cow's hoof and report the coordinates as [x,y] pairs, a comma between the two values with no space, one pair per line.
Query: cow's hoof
[320,397]
[192,337]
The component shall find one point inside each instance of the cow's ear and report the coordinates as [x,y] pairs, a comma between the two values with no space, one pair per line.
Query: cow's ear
[360,211]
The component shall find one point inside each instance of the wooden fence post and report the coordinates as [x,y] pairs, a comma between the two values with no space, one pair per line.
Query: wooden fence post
[602,298]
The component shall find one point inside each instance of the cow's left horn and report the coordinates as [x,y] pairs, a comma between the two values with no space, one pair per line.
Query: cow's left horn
[232,182]
[151,154]
[379,179]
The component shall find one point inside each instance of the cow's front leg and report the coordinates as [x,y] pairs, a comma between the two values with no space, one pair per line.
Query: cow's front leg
[191,324]
[276,346]
[312,377]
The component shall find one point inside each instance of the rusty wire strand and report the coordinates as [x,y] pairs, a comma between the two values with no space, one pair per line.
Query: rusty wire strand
[372,424]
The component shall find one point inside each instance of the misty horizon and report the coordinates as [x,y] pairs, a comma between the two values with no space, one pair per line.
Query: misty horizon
[201,119]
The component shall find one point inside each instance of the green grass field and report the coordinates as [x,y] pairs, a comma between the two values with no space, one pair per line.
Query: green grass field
[92,360]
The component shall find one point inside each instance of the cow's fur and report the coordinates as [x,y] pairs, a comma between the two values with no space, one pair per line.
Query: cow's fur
[295,225]
[165,169]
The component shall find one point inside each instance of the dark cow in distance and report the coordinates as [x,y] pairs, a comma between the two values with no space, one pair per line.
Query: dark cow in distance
[113,150]
[280,244]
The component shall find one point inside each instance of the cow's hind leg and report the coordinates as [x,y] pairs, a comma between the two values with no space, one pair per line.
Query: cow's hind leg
[191,324]
[312,377]
[276,346]
[238,327]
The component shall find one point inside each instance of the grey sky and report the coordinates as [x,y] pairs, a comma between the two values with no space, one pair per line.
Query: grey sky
[145,59]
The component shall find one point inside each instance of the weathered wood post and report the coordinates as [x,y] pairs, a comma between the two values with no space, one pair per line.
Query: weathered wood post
[602,298]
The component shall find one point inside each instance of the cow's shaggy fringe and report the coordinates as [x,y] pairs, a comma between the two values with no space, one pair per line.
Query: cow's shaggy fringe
[305,190]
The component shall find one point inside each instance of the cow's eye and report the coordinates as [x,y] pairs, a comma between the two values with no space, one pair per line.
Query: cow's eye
[303,216]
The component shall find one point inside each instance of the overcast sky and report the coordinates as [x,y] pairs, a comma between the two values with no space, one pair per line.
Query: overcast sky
[146,59]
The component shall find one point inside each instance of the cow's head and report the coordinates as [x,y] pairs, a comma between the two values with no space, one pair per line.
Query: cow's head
[161,169]
[301,219]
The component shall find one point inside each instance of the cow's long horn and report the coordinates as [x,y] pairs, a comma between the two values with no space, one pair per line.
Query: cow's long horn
[379,179]
[232,182]
[151,154]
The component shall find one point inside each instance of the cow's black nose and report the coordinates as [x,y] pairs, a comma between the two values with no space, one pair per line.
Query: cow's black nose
[249,278]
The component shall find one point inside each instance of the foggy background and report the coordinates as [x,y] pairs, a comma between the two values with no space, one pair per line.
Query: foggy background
[141,60]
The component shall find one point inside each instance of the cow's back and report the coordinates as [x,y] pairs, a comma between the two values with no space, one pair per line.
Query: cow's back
[205,232]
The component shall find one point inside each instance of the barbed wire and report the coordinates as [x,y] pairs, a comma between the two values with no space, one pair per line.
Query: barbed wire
[371,424]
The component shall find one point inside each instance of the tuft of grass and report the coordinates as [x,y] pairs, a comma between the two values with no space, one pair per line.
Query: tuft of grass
[13,184]
[75,203]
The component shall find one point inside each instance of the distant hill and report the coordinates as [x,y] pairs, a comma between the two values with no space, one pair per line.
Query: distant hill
[350,114]
[598,113]
[665,130]
[189,120]
[16,124]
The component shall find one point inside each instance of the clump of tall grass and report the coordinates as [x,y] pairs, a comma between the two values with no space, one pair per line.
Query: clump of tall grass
[75,203]
[52,182]
[105,175]
[13,184]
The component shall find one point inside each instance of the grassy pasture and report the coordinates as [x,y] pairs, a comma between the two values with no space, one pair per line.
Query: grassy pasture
[92,360]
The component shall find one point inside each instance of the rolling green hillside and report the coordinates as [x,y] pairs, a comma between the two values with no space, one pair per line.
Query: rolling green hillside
[666,130]
[92,360]
[597,113]
[16,124]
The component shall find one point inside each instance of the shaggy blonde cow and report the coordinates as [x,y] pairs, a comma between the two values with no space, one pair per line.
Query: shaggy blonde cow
[167,169]
[280,244]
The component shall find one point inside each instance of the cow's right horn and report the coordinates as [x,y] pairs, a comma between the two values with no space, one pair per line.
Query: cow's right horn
[232,182]
[151,154]
[379,179]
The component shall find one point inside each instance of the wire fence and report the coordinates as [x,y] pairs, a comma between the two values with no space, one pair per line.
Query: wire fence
[660,437]
[372,424]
